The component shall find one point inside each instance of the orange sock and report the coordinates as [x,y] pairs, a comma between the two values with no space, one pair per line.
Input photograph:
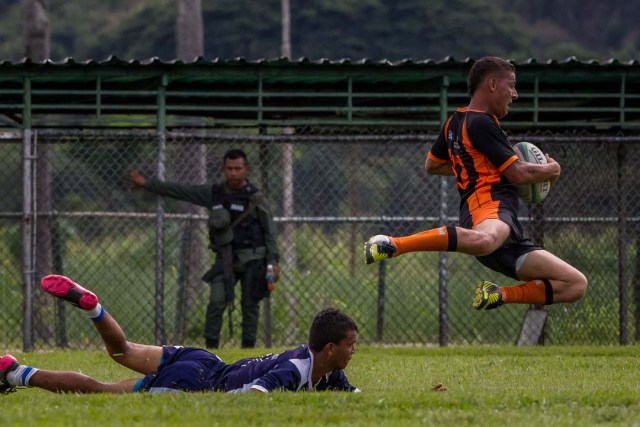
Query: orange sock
[436,239]
[537,292]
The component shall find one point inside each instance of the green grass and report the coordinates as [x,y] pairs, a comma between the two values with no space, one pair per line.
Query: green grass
[487,385]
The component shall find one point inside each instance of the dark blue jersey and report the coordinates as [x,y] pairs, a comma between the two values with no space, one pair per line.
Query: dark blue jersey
[192,369]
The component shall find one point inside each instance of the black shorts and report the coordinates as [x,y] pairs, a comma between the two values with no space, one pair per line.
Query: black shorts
[504,259]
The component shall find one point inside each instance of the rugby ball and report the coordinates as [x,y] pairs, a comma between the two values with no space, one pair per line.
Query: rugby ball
[532,193]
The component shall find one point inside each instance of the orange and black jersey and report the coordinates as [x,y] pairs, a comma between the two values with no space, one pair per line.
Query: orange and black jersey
[479,152]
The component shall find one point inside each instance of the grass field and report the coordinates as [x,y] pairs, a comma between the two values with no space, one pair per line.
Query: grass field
[505,385]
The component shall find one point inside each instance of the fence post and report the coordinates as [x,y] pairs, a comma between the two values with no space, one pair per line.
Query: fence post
[535,319]
[184,273]
[162,143]
[622,246]
[443,273]
[636,283]
[443,257]
[381,291]
[28,236]
[264,183]
[62,336]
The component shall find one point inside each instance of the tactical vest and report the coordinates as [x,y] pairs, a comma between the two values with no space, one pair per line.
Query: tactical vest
[248,232]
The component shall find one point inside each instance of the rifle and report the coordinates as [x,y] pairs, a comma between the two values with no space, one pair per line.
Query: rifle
[229,279]
[228,274]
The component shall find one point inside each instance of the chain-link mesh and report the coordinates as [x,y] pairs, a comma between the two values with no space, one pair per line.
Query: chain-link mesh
[10,243]
[329,189]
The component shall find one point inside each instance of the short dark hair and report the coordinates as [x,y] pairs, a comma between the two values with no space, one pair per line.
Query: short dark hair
[485,66]
[234,154]
[329,326]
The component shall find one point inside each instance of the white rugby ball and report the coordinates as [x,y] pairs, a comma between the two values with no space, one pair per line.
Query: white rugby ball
[532,193]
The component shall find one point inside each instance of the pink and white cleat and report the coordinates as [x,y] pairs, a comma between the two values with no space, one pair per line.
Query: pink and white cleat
[7,364]
[68,290]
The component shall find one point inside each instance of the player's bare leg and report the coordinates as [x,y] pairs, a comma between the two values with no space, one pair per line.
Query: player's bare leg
[138,357]
[484,238]
[75,382]
[547,280]
[568,283]
[14,375]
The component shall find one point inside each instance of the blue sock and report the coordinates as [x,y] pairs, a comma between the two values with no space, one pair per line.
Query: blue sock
[97,313]
[20,376]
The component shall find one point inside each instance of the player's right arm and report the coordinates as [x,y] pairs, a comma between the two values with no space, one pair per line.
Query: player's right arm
[338,381]
[488,138]
[438,161]
[285,376]
[529,173]
[435,166]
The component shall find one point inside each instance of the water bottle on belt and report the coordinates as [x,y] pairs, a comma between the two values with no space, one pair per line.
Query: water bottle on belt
[271,278]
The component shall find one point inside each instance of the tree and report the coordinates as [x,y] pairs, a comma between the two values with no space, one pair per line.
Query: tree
[190,163]
[189,30]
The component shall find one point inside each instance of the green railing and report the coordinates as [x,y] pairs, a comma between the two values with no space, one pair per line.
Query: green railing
[279,93]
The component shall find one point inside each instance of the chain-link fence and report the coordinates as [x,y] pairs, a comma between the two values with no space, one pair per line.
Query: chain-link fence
[329,189]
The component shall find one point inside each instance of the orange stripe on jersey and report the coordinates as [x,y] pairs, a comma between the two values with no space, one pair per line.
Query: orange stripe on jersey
[508,163]
[488,175]
[462,178]
[460,171]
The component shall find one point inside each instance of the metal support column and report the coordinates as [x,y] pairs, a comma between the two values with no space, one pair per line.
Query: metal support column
[28,218]
[160,335]
[443,320]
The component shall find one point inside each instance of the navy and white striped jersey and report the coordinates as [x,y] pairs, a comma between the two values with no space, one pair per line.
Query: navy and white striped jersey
[289,370]
[193,369]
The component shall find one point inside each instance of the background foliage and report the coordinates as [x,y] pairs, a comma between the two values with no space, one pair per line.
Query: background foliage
[376,29]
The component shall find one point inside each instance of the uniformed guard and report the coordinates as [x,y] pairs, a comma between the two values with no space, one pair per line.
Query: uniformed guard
[241,233]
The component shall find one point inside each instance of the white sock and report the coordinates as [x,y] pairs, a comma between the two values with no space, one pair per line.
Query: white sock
[96,314]
[20,376]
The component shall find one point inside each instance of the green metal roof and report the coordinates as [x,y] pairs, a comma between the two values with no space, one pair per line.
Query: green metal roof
[554,95]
